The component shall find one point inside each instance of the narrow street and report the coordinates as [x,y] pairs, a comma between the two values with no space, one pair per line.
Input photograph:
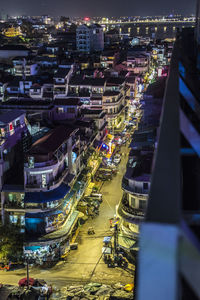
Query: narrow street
[85,264]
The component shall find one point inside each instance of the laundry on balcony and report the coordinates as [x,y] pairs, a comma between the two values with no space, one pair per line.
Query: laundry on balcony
[43,197]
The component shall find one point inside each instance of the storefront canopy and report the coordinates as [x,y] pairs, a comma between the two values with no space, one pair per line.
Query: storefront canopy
[43,214]
[127,243]
[43,197]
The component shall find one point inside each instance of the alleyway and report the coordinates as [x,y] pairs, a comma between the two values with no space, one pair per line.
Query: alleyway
[84,264]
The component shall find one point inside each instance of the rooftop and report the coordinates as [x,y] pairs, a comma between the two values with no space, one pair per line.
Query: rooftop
[141,168]
[9,116]
[51,141]
[68,101]
[62,72]
[111,93]
[14,47]
[25,102]
[115,81]
[77,80]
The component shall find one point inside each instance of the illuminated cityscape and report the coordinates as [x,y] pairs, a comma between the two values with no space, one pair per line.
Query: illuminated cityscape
[99,154]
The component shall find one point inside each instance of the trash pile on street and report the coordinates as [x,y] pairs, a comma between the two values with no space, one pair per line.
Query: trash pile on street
[90,291]
[94,290]
[9,292]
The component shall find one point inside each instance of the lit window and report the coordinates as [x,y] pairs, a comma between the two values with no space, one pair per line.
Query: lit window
[10,196]
[132,202]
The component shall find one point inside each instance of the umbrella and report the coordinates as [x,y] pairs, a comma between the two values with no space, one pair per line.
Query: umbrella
[24,281]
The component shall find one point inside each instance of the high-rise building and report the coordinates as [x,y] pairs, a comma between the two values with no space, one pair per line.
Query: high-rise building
[89,38]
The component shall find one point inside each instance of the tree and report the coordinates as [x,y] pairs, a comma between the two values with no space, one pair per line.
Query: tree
[11,243]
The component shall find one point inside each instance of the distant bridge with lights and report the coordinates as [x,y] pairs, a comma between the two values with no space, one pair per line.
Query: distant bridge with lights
[156,21]
[158,28]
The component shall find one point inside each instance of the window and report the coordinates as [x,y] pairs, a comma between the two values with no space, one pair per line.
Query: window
[22,219]
[17,123]
[132,202]
[13,219]
[60,110]
[10,196]
[31,162]
[142,204]
[145,185]
[2,132]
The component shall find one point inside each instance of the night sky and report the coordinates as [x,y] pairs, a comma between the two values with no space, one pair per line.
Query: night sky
[97,7]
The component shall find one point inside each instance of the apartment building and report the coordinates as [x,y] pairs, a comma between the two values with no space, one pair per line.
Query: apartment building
[89,38]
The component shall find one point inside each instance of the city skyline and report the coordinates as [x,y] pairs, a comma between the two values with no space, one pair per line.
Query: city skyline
[91,8]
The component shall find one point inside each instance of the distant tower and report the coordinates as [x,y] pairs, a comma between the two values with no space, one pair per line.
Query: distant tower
[3,15]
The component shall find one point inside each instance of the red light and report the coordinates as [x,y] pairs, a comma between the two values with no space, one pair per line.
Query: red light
[87,19]
[10,126]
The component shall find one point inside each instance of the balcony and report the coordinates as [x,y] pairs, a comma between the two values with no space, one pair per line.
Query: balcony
[130,210]
[51,185]
[59,155]
[35,93]
[130,215]
[60,92]
[134,189]
[113,103]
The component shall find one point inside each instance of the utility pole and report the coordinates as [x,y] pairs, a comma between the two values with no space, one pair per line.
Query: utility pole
[116,240]
[27,273]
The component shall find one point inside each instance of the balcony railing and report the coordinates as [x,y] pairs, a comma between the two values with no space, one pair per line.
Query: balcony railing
[112,103]
[130,210]
[134,189]
[169,244]
[50,185]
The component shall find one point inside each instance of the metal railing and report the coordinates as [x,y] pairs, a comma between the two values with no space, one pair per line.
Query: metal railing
[168,265]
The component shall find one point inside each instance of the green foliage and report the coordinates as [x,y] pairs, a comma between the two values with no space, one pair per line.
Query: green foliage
[11,243]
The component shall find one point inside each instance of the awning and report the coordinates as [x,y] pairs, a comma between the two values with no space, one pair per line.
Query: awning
[43,197]
[65,229]
[127,243]
[43,214]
